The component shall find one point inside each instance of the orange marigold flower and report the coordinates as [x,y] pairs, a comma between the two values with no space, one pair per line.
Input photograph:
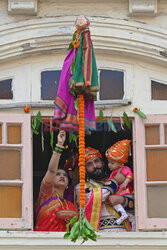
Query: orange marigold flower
[135,109]
[81,150]
[27,109]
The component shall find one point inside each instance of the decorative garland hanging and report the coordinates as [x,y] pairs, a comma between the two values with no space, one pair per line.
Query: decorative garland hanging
[82,150]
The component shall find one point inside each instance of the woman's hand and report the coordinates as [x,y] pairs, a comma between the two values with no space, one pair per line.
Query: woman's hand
[61,137]
[115,199]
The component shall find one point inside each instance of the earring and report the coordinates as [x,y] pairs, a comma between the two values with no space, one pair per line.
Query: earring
[67,187]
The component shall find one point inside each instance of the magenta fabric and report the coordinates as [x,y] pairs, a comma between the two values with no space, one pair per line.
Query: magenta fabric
[65,114]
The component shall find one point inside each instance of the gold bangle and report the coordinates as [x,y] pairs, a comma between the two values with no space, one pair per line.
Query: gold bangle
[60,146]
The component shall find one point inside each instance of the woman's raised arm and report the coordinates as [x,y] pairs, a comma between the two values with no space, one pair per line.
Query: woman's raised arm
[54,161]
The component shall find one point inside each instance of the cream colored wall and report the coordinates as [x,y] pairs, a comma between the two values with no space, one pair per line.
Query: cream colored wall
[114,9]
[51,240]
[134,49]
[138,74]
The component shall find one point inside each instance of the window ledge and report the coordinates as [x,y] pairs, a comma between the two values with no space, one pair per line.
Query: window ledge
[17,105]
[112,103]
[22,7]
[143,7]
[50,104]
[51,240]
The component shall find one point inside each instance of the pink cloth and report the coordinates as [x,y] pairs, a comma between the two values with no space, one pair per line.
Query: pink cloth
[127,172]
[65,114]
[92,210]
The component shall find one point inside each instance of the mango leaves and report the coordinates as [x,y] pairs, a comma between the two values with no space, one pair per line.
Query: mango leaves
[73,138]
[80,228]
[111,125]
[51,139]
[101,116]
[127,121]
[72,234]
[140,113]
[36,123]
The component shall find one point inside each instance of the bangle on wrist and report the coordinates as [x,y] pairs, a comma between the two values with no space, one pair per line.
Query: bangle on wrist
[59,146]
[59,149]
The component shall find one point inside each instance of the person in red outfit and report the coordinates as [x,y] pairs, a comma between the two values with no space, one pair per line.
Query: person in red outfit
[53,212]
[117,156]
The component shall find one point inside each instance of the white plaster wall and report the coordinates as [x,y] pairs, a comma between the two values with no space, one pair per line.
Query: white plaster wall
[139,71]
[50,240]
[21,81]
[138,74]
[114,9]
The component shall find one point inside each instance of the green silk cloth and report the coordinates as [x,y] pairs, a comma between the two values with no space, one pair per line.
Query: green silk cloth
[85,76]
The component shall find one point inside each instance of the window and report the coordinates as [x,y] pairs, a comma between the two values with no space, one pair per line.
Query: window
[158,91]
[15,172]
[111,84]
[102,139]
[151,171]
[49,84]
[6,89]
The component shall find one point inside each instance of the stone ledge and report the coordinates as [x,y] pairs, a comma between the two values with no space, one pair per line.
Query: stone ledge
[142,7]
[50,104]
[48,35]
[22,7]
[54,240]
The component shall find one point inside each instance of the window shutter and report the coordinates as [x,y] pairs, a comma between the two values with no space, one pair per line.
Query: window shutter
[150,146]
[16,203]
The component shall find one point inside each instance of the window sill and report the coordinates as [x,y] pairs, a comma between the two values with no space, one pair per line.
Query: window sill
[112,103]
[51,240]
[50,104]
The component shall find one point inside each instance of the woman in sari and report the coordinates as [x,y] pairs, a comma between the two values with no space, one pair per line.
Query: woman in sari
[53,211]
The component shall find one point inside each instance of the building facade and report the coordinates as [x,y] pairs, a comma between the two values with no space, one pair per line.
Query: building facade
[130,43]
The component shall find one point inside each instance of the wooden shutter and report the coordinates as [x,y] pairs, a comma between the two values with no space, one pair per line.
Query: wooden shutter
[16,203]
[150,167]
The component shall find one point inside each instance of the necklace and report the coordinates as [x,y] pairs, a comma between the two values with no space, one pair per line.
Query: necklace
[61,203]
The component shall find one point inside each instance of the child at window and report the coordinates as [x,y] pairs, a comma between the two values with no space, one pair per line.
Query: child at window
[117,156]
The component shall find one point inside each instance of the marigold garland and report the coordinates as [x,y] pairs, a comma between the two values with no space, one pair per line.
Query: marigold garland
[76,42]
[81,149]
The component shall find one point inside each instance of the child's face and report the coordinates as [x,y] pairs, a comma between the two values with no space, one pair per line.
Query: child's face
[113,165]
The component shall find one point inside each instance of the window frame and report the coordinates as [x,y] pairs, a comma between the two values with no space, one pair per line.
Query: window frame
[21,82]
[142,220]
[157,77]
[101,64]
[114,70]
[10,89]
[127,69]
[37,69]
[26,220]
[160,82]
